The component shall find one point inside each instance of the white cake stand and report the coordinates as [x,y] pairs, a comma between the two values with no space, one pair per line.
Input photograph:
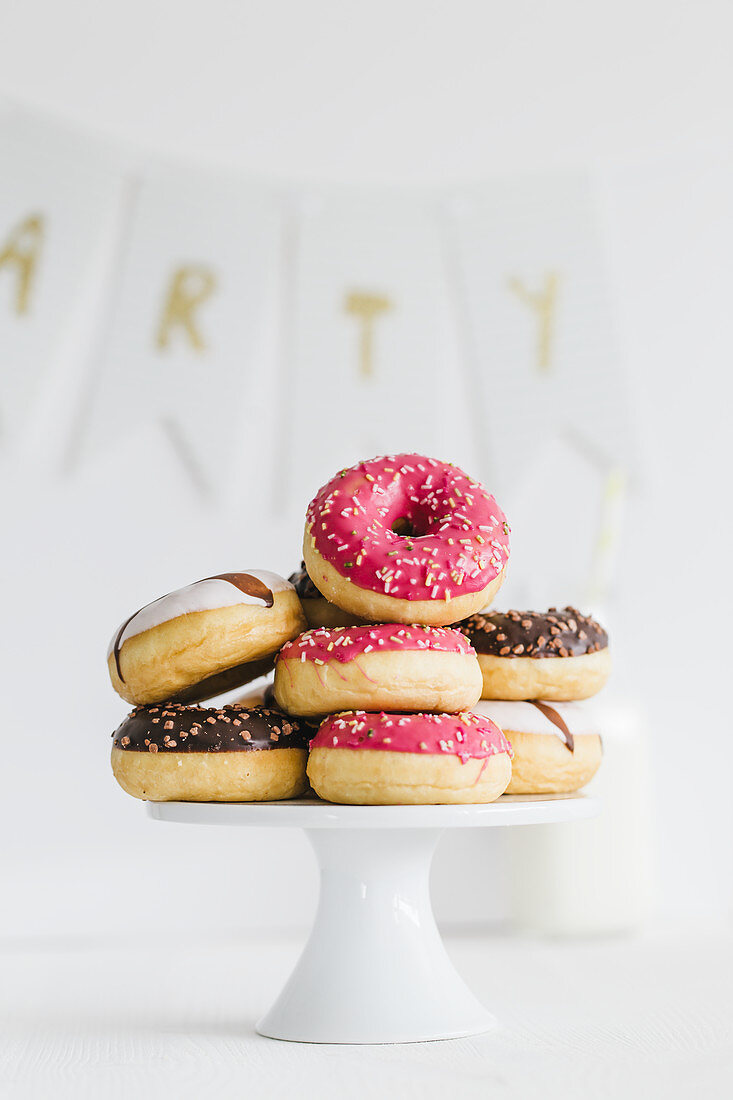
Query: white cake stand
[374,969]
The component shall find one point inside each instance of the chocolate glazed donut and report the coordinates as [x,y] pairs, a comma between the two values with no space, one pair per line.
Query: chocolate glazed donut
[171,752]
[552,656]
[553,633]
[172,727]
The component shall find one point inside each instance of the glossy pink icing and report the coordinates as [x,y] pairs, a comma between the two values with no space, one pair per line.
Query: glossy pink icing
[462,536]
[345,643]
[468,736]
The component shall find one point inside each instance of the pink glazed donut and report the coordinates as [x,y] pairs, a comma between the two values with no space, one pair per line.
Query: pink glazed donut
[406,539]
[414,759]
[388,667]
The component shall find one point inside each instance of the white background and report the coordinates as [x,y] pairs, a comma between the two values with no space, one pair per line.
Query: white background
[415,94]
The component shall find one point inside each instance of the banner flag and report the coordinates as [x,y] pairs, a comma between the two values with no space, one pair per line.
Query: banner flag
[539,337]
[59,194]
[190,327]
[539,351]
[365,359]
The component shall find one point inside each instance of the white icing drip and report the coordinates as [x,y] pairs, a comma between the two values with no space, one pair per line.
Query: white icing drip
[205,595]
[580,717]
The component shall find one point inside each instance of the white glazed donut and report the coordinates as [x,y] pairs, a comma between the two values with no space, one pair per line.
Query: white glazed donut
[201,640]
[557,746]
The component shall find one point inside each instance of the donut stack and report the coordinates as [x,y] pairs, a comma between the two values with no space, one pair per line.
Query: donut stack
[190,645]
[394,551]
[394,704]
[378,702]
[537,668]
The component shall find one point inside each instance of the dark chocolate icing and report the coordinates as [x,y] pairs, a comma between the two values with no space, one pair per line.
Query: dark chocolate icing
[172,727]
[553,633]
[552,716]
[304,586]
[245,582]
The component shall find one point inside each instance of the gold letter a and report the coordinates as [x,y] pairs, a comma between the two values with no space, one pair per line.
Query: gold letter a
[22,251]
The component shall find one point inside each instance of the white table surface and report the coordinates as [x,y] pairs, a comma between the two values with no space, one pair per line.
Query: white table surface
[172,1016]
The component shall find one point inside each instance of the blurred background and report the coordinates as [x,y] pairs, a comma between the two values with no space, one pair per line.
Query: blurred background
[244,245]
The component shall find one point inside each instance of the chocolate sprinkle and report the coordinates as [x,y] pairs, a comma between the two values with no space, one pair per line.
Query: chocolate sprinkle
[231,728]
[553,633]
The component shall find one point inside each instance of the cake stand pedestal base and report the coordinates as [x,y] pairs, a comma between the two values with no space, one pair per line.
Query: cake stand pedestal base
[374,969]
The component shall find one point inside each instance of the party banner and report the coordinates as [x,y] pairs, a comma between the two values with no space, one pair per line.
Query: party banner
[365,359]
[59,194]
[191,321]
[551,411]
[540,341]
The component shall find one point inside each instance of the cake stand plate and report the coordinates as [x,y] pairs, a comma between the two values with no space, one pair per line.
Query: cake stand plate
[374,969]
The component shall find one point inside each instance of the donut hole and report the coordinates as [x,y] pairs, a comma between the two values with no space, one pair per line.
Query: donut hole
[403,526]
